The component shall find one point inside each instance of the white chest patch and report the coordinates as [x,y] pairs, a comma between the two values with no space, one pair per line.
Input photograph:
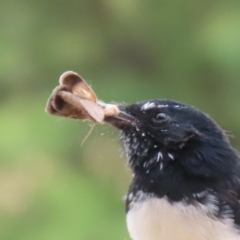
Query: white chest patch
[157,219]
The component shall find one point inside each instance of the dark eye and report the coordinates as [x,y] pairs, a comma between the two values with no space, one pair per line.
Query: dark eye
[159,117]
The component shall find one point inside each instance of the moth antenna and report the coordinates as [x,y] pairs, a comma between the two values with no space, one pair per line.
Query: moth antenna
[88,134]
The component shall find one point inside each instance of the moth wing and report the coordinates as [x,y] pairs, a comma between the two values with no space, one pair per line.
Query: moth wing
[65,107]
[76,84]
[93,109]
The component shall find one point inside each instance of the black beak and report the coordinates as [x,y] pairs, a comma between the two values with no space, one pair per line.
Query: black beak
[122,121]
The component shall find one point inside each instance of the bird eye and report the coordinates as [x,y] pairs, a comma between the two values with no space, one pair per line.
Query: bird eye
[160,117]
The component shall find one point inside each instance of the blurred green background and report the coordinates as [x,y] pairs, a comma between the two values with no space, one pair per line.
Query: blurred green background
[51,188]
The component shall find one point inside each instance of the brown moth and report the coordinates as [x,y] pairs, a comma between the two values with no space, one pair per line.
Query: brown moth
[74,98]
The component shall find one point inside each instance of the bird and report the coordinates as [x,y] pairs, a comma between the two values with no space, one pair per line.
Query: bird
[185,174]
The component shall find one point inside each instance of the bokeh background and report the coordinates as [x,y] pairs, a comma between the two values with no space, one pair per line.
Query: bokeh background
[51,188]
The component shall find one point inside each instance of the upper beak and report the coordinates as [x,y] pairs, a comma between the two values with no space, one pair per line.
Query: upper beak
[122,120]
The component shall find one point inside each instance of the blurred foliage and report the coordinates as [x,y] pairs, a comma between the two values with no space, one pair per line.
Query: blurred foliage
[50,187]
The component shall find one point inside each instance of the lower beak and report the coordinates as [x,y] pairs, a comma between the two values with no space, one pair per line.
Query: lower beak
[122,121]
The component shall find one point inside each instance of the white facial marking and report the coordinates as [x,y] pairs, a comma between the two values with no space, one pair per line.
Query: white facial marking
[164,130]
[143,134]
[157,219]
[171,156]
[161,166]
[159,156]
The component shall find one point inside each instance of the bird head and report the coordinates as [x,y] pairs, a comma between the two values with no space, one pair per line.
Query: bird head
[167,138]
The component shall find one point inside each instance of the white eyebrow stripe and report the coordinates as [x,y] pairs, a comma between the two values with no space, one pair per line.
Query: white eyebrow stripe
[162,106]
[148,105]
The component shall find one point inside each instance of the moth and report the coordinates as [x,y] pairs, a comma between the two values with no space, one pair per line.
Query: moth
[74,98]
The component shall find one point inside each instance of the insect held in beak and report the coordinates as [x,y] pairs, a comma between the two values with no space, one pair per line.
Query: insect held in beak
[74,98]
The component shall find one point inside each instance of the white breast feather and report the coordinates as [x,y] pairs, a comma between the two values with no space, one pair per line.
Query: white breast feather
[157,219]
